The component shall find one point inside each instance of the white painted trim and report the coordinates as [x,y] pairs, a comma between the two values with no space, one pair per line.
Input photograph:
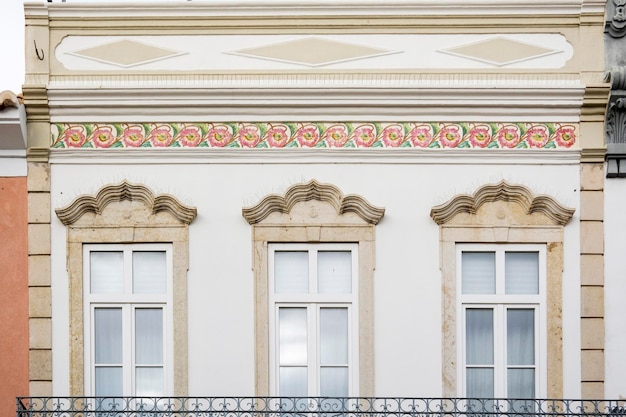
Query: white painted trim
[188,156]
[322,7]
[501,301]
[462,102]
[127,301]
[13,163]
[313,302]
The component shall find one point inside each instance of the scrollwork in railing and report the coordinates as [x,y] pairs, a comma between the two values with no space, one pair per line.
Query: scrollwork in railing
[313,407]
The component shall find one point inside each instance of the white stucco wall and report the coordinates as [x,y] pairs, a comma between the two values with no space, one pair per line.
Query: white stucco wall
[615,286]
[407,276]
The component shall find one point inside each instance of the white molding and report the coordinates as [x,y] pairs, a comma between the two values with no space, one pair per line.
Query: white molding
[322,7]
[186,156]
[506,104]
[13,163]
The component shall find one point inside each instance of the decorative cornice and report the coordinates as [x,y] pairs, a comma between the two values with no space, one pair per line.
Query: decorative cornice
[594,102]
[313,190]
[34,154]
[125,191]
[373,8]
[592,155]
[422,135]
[329,97]
[502,191]
[36,102]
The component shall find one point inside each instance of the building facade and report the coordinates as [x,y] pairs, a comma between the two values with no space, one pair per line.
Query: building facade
[304,199]
[13,252]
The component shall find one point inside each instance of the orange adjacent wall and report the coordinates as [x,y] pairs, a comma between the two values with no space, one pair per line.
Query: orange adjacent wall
[13,293]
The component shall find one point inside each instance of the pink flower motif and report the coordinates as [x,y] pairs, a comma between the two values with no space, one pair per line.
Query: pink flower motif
[102,137]
[73,138]
[190,136]
[219,136]
[307,136]
[132,137]
[248,136]
[393,136]
[480,136]
[277,136]
[336,136]
[565,137]
[536,136]
[450,136]
[160,137]
[421,136]
[508,137]
[364,136]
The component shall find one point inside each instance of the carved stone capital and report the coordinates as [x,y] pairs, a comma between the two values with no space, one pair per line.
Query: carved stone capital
[616,26]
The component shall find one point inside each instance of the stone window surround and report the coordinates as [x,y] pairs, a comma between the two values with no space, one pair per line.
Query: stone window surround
[502,213]
[314,213]
[127,213]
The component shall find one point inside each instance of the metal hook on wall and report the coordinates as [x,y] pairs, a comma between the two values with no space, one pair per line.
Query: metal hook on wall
[38,52]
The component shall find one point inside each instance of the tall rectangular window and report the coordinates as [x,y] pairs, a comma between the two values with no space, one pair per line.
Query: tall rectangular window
[313,316]
[502,320]
[127,333]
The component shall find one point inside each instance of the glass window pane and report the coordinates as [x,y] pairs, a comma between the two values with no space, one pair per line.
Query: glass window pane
[478,272]
[521,272]
[292,335]
[108,335]
[106,272]
[109,381]
[520,336]
[149,273]
[149,336]
[334,272]
[149,381]
[479,336]
[291,272]
[293,382]
[479,382]
[334,336]
[521,383]
[334,381]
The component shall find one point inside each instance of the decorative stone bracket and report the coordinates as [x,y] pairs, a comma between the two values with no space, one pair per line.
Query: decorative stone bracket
[616,124]
[616,26]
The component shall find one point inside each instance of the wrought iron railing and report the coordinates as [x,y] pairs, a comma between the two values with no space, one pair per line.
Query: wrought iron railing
[312,407]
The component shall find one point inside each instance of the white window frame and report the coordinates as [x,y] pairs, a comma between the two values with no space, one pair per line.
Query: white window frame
[315,301]
[129,303]
[500,302]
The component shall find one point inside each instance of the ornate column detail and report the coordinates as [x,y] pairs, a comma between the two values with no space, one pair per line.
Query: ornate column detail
[616,26]
[616,124]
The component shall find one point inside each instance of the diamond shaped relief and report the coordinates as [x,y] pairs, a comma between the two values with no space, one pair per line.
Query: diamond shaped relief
[312,52]
[126,53]
[499,51]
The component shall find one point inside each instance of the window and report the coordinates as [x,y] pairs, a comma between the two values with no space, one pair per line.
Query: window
[314,316]
[502,316]
[128,305]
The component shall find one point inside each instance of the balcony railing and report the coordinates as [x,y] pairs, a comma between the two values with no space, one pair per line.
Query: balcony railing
[312,407]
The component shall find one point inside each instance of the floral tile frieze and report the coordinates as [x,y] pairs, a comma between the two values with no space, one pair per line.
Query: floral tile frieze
[315,135]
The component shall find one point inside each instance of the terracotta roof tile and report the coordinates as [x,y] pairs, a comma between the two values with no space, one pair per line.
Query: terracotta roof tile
[8,99]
